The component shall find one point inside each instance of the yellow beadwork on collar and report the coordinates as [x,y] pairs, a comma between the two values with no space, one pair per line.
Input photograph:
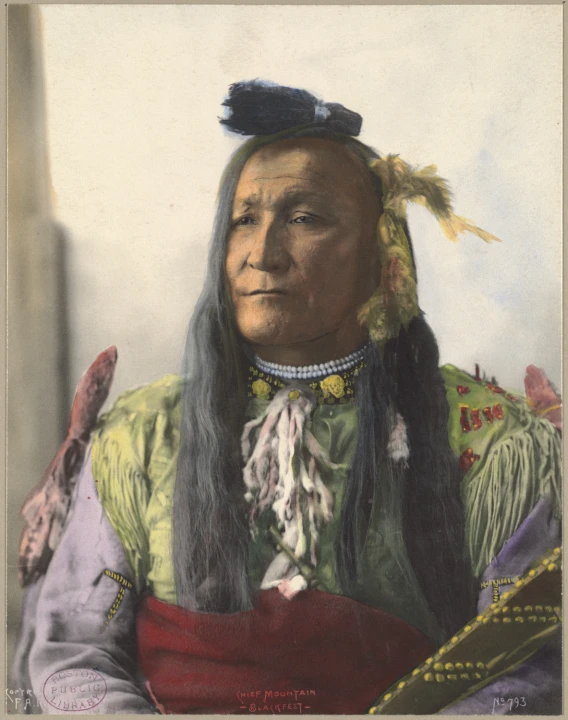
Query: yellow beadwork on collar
[336,389]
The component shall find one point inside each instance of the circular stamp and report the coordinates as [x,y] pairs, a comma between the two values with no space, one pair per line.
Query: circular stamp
[75,690]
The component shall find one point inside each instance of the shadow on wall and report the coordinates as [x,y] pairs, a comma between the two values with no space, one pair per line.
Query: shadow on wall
[38,338]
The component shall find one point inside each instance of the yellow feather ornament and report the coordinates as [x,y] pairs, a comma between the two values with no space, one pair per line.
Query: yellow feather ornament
[395,302]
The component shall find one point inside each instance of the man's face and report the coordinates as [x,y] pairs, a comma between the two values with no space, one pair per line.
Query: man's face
[301,256]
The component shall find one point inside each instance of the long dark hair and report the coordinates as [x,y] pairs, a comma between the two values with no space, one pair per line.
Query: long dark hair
[210,530]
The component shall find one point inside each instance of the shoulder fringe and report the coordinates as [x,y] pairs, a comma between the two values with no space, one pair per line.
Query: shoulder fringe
[520,470]
[124,493]
[128,438]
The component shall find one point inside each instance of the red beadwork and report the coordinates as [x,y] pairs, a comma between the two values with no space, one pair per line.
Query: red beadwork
[488,414]
[467,458]
[476,419]
[495,389]
[462,389]
[498,411]
[464,420]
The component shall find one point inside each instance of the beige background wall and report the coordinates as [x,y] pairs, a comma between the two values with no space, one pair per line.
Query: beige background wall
[135,154]
[37,339]
[133,98]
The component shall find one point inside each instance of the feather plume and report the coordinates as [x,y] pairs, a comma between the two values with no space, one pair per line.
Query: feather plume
[395,302]
[402,184]
[261,107]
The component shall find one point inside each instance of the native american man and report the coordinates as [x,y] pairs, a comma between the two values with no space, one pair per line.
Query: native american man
[314,507]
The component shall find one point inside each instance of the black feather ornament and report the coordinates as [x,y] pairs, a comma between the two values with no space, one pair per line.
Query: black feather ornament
[260,107]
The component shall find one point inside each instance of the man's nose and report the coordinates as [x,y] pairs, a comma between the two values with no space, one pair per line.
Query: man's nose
[267,253]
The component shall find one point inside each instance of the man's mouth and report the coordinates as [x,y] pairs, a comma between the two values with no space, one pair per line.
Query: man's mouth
[267,292]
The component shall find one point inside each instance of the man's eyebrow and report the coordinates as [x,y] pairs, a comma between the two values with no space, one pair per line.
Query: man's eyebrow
[303,193]
[248,201]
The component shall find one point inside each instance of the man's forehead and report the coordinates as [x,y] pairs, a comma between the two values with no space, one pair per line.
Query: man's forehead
[261,185]
[266,192]
[266,185]
[307,159]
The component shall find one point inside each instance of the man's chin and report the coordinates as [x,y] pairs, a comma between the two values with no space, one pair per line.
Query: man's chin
[264,340]
[272,336]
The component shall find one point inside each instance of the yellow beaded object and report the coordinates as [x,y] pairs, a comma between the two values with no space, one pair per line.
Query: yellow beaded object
[336,389]
[333,385]
[261,389]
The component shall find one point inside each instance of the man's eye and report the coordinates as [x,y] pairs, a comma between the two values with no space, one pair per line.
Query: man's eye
[303,219]
[247,220]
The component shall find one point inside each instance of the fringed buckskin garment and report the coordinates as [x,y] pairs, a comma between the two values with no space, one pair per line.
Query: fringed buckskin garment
[134,451]
[134,461]
[119,534]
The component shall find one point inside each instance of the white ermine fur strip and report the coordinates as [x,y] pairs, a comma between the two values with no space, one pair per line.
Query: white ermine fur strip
[282,472]
[398,448]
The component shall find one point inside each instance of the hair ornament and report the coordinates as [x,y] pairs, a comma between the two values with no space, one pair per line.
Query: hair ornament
[395,302]
[260,107]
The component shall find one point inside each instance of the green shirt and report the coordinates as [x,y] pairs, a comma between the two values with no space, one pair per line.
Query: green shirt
[134,456]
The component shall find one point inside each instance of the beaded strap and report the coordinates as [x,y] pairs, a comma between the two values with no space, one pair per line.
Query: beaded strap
[499,638]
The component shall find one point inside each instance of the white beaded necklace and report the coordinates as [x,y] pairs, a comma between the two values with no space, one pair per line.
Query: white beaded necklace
[309,372]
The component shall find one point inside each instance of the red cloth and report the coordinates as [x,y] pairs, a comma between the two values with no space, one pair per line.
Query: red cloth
[317,653]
